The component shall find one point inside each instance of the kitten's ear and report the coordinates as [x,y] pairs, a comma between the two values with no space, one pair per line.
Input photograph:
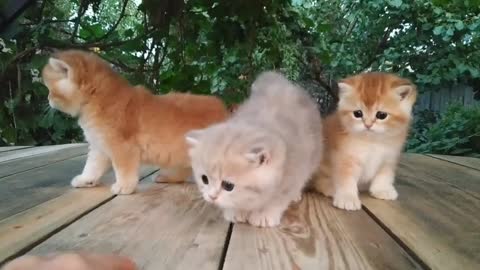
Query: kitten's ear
[344,88]
[59,66]
[193,137]
[405,91]
[258,155]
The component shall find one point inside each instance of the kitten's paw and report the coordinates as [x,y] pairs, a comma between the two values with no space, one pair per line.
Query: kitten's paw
[263,220]
[80,181]
[389,193]
[123,189]
[347,201]
[235,216]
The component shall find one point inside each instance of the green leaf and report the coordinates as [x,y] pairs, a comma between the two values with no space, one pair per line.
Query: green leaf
[437,30]
[459,25]
[324,27]
[91,31]
[395,3]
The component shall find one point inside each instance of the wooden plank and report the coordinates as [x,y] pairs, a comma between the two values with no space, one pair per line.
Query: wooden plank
[444,172]
[473,163]
[22,191]
[160,227]
[315,235]
[12,148]
[28,227]
[50,155]
[436,218]
[32,151]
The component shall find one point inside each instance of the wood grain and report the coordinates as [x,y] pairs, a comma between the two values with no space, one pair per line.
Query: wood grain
[24,229]
[444,172]
[22,191]
[26,161]
[473,163]
[160,227]
[434,216]
[315,235]
[33,151]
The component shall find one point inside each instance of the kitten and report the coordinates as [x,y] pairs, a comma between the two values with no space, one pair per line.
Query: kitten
[364,138]
[256,163]
[125,125]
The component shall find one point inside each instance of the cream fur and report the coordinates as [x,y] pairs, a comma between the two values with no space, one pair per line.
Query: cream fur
[363,152]
[268,150]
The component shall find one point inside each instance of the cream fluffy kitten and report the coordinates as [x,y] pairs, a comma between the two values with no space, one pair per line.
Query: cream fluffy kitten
[255,164]
[364,138]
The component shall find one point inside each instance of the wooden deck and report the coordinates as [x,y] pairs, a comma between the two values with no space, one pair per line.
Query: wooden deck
[435,224]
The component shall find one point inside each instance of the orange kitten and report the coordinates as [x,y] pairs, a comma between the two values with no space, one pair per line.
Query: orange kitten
[125,125]
[364,138]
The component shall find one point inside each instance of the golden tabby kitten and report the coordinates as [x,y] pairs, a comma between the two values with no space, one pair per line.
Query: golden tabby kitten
[364,138]
[125,125]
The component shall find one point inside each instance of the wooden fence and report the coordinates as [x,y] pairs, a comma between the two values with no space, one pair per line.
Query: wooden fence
[438,100]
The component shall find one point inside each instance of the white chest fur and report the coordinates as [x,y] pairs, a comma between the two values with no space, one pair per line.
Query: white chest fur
[92,136]
[372,157]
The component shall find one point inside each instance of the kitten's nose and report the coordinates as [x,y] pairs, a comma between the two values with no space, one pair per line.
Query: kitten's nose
[213,197]
[368,126]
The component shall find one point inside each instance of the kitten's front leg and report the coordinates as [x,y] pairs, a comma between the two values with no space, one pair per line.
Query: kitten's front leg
[126,163]
[270,216]
[346,187]
[97,164]
[382,185]
[235,216]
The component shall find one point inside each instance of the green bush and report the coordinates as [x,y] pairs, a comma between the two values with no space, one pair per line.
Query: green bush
[453,132]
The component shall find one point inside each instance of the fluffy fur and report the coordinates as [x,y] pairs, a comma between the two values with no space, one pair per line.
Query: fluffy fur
[125,125]
[255,164]
[361,148]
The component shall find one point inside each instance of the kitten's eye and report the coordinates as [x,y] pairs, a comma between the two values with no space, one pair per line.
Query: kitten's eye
[381,115]
[227,185]
[204,179]
[357,113]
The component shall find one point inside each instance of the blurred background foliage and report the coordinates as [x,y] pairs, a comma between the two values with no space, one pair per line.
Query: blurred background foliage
[218,47]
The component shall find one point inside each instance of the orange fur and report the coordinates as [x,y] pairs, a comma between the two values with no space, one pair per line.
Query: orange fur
[126,125]
[364,151]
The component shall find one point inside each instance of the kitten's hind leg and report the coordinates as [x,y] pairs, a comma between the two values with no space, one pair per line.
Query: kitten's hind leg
[382,185]
[173,175]
[97,164]
[126,163]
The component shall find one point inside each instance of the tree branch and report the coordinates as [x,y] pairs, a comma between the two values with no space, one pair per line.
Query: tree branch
[381,46]
[120,17]
[57,44]
[81,10]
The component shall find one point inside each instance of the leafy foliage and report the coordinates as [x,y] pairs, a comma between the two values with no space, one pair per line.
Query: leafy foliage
[455,132]
[218,47]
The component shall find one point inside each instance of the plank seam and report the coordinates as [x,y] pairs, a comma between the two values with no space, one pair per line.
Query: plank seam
[225,247]
[455,163]
[57,161]
[27,248]
[397,239]
[21,148]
